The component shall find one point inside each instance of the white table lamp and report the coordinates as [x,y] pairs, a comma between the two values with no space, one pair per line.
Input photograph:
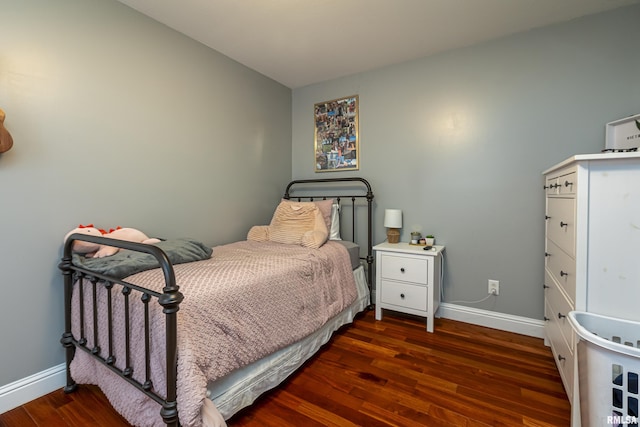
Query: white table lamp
[393,222]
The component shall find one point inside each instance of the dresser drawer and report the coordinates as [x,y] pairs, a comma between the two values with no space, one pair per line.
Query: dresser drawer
[561,182]
[562,352]
[404,268]
[567,184]
[551,186]
[561,223]
[404,295]
[559,308]
[562,267]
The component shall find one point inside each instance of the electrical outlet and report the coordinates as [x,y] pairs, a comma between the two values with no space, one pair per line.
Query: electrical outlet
[494,287]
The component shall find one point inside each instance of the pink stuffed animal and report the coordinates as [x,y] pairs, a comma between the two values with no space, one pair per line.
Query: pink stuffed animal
[94,250]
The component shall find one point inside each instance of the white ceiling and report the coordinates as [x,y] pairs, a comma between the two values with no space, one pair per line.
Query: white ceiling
[300,42]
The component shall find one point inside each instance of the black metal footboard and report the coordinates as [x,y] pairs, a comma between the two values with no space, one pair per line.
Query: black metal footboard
[169,299]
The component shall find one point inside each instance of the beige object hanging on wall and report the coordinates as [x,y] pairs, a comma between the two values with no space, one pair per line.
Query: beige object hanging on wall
[6,142]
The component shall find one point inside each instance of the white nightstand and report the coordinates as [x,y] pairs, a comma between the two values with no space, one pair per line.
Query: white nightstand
[408,279]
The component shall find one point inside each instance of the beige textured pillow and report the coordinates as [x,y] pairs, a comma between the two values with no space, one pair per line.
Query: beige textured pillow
[258,233]
[298,223]
[325,207]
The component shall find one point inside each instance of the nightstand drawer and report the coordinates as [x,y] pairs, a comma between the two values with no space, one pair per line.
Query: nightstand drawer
[404,268]
[404,295]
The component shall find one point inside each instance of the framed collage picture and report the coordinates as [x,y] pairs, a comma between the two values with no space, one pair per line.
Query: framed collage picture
[336,141]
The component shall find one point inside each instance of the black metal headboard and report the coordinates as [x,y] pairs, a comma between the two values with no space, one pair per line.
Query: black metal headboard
[346,191]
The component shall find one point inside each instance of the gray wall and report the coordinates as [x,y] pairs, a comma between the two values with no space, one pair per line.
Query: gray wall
[458,141]
[118,120]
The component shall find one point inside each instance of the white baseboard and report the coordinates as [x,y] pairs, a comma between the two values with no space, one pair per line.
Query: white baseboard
[492,319]
[32,387]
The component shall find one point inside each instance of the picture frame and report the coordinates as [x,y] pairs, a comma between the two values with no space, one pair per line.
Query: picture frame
[336,138]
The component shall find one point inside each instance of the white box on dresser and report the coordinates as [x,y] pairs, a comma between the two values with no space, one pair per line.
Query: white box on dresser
[408,279]
[592,243]
[623,133]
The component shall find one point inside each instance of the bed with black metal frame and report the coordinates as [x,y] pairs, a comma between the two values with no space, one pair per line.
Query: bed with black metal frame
[351,194]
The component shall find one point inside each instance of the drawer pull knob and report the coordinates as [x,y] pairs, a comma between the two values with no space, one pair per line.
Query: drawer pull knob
[561,316]
[402,270]
[568,184]
[563,224]
[561,358]
[546,254]
[402,296]
[547,217]
[545,187]
[546,319]
[563,273]
[545,286]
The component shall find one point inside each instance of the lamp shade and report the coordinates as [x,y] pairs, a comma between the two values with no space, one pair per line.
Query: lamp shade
[393,218]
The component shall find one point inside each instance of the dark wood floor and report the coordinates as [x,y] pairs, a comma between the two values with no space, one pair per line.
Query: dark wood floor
[387,373]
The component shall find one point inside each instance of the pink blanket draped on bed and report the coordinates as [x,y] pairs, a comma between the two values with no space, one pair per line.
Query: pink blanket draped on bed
[249,300]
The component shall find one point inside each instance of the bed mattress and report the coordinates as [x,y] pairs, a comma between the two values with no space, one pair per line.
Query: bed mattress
[353,250]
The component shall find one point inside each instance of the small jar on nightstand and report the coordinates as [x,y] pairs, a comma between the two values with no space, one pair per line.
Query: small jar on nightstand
[408,279]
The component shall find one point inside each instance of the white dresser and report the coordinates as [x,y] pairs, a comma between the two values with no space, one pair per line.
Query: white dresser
[408,279]
[592,250]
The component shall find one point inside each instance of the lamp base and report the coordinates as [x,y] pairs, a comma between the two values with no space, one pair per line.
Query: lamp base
[393,235]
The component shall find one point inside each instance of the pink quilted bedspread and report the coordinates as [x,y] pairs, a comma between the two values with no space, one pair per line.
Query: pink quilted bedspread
[249,300]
